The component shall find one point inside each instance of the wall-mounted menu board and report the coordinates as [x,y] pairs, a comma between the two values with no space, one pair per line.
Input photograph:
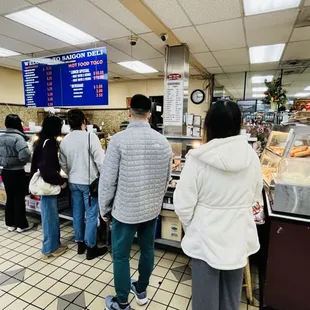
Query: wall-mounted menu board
[67,80]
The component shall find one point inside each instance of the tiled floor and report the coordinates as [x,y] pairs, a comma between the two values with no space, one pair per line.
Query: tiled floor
[70,282]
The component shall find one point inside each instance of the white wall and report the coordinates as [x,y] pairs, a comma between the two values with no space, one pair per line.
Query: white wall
[11,90]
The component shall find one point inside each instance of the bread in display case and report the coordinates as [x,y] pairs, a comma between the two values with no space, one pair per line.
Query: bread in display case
[287,142]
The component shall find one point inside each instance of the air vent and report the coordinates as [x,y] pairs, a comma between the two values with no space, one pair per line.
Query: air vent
[291,71]
[116,78]
[295,63]
[304,18]
[160,76]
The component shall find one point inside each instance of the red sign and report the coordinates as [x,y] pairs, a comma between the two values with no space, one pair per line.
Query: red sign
[174,76]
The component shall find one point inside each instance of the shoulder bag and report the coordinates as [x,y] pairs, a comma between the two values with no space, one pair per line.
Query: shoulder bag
[93,186]
[39,187]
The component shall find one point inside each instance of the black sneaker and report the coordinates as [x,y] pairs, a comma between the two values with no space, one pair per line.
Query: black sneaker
[81,248]
[95,252]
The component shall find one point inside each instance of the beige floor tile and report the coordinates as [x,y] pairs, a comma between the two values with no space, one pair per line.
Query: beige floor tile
[180,303]
[166,263]
[163,297]
[156,306]
[31,295]
[105,277]
[27,262]
[155,280]
[89,298]
[44,300]
[20,289]
[108,290]
[160,271]
[169,285]
[46,284]
[59,261]
[53,305]
[95,287]
[159,253]
[103,264]
[18,258]
[179,266]
[18,304]
[58,289]
[69,254]
[93,273]
[171,256]
[98,303]
[6,265]
[184,290]
[108,257]
[70,264]
[31,307]
[59,273]
[190,306]
[82,282]
[134,263]
[6,299]
[182,259]
[81,269]
[47,270]
[37,266]
[35,279]
[70,278]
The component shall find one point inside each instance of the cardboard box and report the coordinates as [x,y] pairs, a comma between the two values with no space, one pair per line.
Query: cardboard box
[171,227]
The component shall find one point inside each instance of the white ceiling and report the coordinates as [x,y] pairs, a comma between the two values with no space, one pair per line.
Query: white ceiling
[217,33]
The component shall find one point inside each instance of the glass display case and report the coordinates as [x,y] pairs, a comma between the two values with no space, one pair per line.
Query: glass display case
[284,142]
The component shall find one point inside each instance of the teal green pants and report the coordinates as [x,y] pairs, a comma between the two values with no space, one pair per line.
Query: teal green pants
[122,239]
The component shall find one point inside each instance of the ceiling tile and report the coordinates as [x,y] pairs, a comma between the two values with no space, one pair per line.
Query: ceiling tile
[137,76]
[206,59]
[156,63]
[116,10]
[115,68]
[297,50]
[140,51]
[307,2]
[153,39]
[215,70]
[194,71]
[223,35]
[301,34]
[38,1]
[86,17]
[271,28]
[265,66]
[8,6]
[115,55]
[202,11]
[20,32]
[238,68]
[191,37]
[169,12]
[10,63]
[233,57]
[17,46]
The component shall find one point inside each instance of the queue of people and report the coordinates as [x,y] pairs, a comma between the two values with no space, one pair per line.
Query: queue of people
[218,186]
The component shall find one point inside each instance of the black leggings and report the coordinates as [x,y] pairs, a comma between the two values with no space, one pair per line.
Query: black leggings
[16,184]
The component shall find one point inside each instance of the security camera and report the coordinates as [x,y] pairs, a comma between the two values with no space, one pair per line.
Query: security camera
[164,37]
[133,40]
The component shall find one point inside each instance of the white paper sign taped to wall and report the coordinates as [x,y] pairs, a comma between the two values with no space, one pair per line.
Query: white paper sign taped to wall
[173,103]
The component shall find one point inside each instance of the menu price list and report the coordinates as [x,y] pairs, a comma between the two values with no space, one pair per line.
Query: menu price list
[77,82]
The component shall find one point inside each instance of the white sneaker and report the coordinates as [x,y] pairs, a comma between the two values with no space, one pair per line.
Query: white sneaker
[11,228]
[20,230]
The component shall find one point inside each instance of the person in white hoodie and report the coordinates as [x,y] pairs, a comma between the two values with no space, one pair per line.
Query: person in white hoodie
[219,184]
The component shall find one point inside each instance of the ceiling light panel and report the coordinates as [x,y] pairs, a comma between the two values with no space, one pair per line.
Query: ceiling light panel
[252,7]
[258,95]
[258,89]
[266,53]
[261,79]
[307,88]
[7,53]
[46,23]
[302,95]
[137,66]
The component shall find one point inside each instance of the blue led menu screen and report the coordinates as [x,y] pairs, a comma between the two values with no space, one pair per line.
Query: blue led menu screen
[67,80]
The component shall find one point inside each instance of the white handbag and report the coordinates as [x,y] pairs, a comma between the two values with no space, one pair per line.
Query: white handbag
[39,187]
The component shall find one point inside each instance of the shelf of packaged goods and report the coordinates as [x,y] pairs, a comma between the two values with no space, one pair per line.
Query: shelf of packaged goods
[170,243]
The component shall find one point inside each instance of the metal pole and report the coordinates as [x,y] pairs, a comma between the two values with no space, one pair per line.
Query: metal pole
[244,87]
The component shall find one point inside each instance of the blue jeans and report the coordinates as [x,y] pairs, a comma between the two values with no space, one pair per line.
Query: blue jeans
[80,205]
[50,224]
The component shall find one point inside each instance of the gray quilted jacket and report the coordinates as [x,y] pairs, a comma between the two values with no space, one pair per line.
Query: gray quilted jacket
[135,174]
[14,151]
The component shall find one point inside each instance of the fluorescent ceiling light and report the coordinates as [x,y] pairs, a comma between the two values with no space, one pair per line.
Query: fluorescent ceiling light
[258,89]
[266,53]
[137,66]
[302,94]
[258,95]
[307,88]
[261,79]
[7,53]
[252,7]
[48,24]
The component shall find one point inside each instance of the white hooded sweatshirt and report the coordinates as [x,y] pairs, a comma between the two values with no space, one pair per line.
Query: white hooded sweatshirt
[219,184]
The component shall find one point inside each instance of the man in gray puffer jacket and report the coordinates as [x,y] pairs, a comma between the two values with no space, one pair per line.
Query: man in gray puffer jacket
[133,181]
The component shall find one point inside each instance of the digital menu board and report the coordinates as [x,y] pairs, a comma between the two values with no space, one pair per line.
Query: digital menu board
[67,80]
